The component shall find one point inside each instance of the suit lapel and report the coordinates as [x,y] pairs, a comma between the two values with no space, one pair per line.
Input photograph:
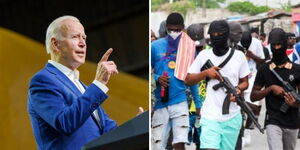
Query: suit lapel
[64,79]
[68,83]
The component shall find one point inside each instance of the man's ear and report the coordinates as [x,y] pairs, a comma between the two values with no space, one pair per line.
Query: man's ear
[54,45]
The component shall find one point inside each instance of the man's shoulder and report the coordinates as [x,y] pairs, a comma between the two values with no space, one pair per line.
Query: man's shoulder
[256,41]
[296,66]
[239,54]
[255,45]
[206,52]
[264,67]
[297,46]
[159,42]
[41,75]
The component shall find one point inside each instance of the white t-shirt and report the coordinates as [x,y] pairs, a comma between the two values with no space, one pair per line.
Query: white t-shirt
[257,49]
[236,68]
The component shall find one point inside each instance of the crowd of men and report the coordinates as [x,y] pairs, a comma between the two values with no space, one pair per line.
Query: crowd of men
[198,74]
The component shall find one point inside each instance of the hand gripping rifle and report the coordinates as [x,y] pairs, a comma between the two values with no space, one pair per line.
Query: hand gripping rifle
[287,88]
[230,89]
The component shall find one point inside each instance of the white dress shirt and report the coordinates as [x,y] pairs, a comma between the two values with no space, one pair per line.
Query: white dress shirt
[73,75]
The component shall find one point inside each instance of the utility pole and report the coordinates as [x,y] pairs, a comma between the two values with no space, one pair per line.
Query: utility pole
[204,8]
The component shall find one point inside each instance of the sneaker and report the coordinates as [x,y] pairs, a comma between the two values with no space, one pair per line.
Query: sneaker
[247,137]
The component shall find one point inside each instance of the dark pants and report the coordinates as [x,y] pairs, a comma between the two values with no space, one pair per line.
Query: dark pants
[194,133]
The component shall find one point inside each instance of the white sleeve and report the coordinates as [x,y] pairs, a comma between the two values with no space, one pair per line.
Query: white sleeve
[256,48]
[196,65]
[244,68]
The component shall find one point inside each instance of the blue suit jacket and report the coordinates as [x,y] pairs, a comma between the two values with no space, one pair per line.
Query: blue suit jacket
[61,116]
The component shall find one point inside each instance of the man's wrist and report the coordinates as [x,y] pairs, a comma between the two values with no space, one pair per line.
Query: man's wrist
[100,85]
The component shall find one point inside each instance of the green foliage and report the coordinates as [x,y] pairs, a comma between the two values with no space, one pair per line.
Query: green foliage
[286,7]
[176,5]
[180,6]
[208,3]
[247,7]
[155,4]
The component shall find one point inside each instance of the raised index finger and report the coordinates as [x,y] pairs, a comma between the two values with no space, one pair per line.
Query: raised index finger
[106,55]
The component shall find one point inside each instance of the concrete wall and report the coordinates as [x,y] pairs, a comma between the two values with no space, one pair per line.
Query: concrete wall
[270,3]
[192,16]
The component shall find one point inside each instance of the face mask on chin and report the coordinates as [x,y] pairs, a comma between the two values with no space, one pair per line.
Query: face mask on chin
[174,35]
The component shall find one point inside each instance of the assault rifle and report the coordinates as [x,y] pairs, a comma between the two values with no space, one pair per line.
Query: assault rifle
[287,88]
[230,89]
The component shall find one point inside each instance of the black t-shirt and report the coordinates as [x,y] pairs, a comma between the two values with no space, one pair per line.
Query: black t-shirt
[266,78]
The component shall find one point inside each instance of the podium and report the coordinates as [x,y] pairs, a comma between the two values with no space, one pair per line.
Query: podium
[132,135]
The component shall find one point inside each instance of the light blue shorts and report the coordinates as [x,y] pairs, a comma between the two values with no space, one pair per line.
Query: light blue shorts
[220,135]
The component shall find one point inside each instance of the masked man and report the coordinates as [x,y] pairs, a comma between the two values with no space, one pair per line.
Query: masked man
[253,50]
[282,127]
[219,131]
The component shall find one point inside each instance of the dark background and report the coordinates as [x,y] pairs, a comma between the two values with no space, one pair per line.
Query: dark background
[120,24]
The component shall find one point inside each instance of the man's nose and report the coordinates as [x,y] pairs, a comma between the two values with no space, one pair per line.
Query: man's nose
[82,43]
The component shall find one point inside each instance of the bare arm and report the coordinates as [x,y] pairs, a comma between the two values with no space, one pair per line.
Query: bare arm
[193,78]
[254,57]
[257,94]
[243,84]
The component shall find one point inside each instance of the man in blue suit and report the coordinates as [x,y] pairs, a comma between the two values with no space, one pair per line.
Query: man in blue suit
[66,114]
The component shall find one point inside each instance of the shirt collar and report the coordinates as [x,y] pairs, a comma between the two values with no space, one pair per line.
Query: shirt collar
[65,70]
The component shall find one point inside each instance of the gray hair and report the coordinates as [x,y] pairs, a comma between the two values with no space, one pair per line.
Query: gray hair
[53,30]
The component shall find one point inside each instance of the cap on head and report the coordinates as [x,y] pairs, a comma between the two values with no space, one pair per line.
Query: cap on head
[175,19]
[290,34]
[218,26]
[196,32]
[277,35]
[162,29]
[235,27]
[235,31]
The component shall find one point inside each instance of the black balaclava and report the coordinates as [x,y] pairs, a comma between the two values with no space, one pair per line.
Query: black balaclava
[278,36]
[235,31]
[246,39]
[219,43]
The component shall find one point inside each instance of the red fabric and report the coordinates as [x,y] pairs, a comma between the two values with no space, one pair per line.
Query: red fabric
[185,56]
[289,51]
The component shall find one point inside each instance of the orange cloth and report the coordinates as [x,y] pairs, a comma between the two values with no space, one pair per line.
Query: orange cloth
[185,56]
